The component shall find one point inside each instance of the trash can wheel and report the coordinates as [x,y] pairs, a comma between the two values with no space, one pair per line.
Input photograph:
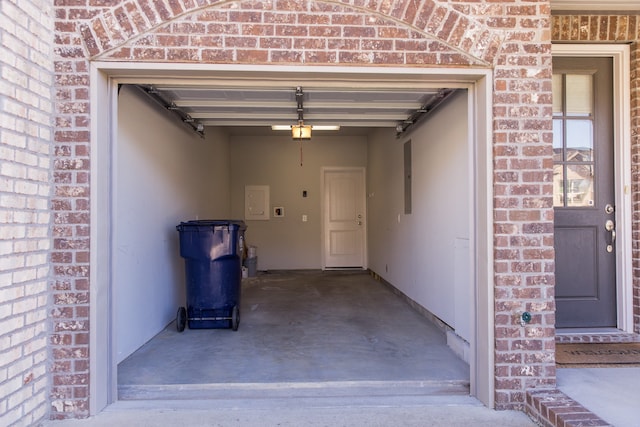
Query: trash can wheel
[181,319]
[235,318]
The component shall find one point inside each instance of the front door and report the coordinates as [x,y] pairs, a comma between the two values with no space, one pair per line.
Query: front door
[344,217]
[583,181]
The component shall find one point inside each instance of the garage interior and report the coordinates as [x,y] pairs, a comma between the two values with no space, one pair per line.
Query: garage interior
[188,151]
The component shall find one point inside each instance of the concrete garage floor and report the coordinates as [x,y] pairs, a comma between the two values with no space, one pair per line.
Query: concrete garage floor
[313,349]
[343,329]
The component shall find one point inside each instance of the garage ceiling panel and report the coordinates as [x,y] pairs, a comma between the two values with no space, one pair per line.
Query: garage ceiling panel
[264,106]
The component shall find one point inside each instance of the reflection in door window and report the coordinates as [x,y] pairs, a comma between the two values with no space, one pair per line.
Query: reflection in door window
[573,155]
[558,185]
[579,140]
[558,138]
[579,185]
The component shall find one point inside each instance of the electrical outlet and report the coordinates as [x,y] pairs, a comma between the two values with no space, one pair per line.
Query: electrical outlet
[304,218]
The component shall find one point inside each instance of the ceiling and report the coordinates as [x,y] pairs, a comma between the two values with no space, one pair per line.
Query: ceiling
[264,106]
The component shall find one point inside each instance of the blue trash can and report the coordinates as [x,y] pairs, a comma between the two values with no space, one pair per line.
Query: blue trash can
[212,251]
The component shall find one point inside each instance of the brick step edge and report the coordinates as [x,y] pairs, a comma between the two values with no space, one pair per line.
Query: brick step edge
[553,408]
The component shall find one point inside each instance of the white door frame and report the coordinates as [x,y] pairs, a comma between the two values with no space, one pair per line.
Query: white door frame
[105,76]
[622,165]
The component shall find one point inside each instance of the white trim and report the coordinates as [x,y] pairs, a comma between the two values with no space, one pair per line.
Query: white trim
[622,151]
[103,77]
[589,5]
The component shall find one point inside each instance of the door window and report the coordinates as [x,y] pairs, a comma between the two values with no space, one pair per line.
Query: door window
[574,165]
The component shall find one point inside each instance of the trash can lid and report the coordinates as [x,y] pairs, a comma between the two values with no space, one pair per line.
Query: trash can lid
[210,223]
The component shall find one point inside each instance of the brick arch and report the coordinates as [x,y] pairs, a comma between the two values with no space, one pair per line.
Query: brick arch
[468,41]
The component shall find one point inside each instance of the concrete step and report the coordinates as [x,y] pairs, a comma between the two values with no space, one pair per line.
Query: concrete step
[329,389]
[374,411]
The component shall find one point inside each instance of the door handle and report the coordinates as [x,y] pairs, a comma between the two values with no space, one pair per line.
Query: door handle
[610,226]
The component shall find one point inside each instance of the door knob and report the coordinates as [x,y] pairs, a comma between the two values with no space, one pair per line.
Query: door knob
[610,226]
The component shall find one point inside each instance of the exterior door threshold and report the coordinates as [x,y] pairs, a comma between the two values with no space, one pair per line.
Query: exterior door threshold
[595,335]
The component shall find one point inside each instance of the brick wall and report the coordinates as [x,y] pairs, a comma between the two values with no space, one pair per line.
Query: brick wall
[635,172]
[69,340]
[512,37]
[26,111]
[523,206]
[615,29]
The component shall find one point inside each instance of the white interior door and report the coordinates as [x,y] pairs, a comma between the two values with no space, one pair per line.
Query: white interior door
[344,213]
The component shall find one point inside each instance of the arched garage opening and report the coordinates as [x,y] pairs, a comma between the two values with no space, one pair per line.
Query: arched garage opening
[407,273]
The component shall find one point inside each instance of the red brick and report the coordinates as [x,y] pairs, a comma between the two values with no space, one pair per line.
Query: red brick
[292,31]
[205,41]
[245,17]
[325,31]
[217,55]
[310,43]
[275,43]
[454,59]
[285,56]
[376,44]
[315,57]
[437,18]
[358,32]
[395,33]
[176,7]
[424,14]
[250,55]
[448,26]
[289,18]
[410,12]
[241,42]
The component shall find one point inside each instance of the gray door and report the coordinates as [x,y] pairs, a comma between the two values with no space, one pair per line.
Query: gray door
[583,181]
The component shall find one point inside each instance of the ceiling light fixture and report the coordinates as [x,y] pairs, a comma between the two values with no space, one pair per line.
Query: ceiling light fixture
[301,131]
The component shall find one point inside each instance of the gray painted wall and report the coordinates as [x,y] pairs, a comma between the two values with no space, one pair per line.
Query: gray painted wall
[425,254]
[164,174]
[274,160]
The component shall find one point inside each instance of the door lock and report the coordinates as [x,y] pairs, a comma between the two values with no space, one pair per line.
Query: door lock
[610,226]
[609,209]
